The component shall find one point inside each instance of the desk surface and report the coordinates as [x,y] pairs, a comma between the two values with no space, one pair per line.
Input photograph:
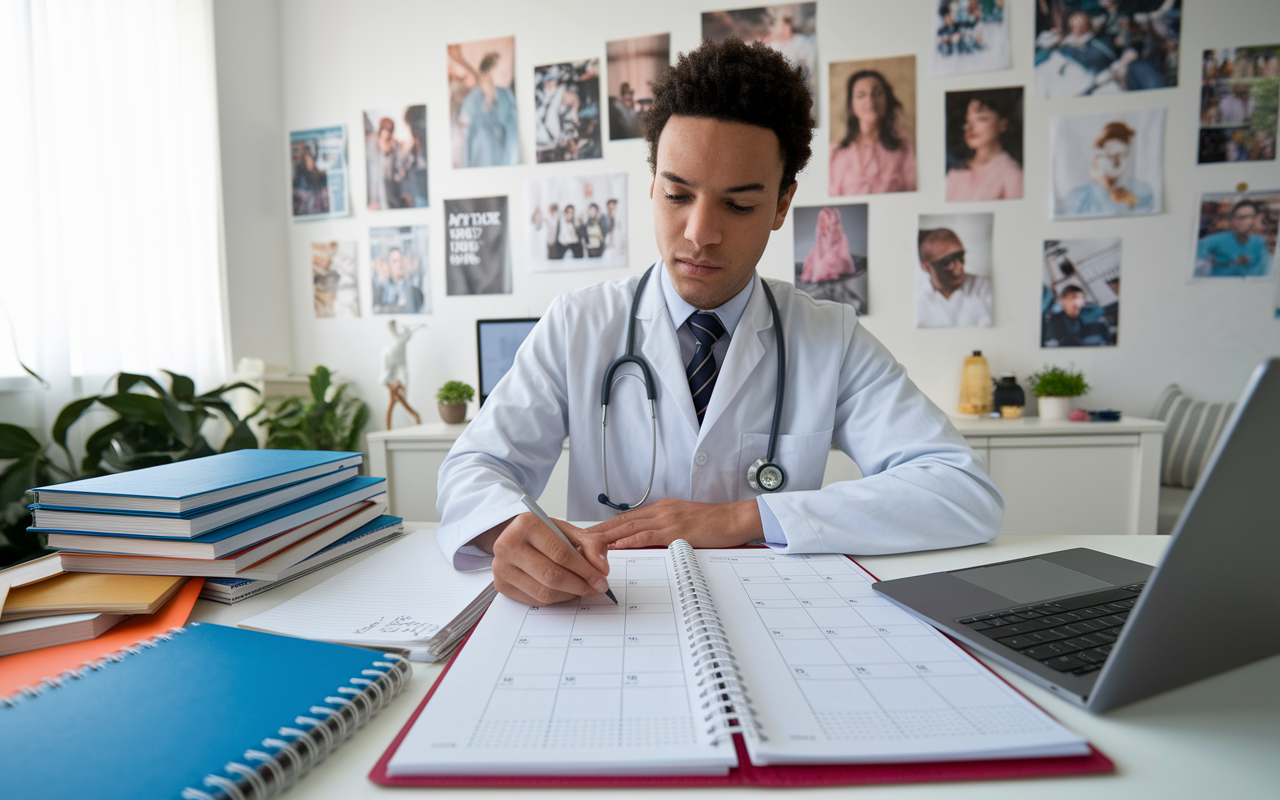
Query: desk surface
[1216,738]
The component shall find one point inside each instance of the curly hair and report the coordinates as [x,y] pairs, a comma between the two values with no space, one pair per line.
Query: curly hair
[734,82]
[888,125]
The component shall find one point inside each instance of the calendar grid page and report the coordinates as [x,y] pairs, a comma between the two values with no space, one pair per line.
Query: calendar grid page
[837,673]
[581,687]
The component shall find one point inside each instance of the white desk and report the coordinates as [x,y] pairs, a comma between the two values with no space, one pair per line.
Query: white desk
[1218,738]
[1057,477]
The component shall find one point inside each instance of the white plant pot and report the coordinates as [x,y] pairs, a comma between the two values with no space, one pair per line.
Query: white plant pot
[1055,408]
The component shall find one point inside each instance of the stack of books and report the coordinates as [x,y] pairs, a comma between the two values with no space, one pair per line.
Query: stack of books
[247,520]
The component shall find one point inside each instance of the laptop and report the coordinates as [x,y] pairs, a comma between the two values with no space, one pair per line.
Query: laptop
[497,341]
[1102,631]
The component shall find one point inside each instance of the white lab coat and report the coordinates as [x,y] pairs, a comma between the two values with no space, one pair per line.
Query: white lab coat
[924,487]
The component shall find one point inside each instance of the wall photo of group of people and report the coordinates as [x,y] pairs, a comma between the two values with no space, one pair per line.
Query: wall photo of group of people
[1108,164]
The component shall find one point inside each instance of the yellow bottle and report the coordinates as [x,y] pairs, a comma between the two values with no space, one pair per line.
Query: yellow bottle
[975,385]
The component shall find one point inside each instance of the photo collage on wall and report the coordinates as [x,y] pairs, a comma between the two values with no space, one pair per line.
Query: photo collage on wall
[1102,164]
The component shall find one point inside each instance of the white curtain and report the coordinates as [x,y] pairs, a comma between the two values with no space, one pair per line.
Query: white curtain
[110,207]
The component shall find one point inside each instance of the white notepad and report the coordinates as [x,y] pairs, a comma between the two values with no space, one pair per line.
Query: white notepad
[795,652]
[406,597]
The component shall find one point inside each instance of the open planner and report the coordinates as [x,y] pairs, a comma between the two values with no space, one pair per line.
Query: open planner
[795,653]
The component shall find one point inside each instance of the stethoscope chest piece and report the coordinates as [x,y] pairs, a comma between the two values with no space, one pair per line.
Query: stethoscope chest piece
[766,476]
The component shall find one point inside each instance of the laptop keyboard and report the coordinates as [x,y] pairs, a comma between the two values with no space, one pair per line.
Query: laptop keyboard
[1072,635]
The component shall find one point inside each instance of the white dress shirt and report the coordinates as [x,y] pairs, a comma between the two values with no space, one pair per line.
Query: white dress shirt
[968,305]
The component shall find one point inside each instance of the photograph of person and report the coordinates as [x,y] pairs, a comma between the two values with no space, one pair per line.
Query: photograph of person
[1236,235]
[482,103]
[1080,296]
[1094,47]
[478,260]
[1108,165]
[576,223]
[395,148]
[1238,104]
[953,286]
[398,257]
[633,65]
[873,134]
[336,293]
[831,253]
[566,100]
[984,144]
[970,36]
[319,169]
[791,29]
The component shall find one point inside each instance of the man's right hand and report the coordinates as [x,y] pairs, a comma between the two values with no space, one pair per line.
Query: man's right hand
[532,566]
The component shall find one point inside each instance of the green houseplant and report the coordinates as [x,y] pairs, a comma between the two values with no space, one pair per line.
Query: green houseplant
[1055,387]
[452,399]
[330,419]
[152,425]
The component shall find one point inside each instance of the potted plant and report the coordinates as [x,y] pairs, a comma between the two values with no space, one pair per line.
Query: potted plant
[1055,387]
[452,401]
[330,419]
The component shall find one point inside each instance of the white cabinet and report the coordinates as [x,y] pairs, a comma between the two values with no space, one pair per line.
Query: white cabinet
[1058,478]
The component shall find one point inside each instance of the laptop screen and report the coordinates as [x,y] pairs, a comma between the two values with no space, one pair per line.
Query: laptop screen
[497,341]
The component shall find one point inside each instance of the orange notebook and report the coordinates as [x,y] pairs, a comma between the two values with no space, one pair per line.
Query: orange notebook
[82,593]
[28,669]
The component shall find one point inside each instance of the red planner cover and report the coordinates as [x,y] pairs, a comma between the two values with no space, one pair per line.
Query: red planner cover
[747,774]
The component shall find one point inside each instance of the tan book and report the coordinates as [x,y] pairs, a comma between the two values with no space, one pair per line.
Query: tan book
[84,593]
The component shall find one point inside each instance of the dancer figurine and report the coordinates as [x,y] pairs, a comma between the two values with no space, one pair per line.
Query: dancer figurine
[395,370]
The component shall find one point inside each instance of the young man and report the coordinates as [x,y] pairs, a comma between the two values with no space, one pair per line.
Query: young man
[946,295]
[728,131]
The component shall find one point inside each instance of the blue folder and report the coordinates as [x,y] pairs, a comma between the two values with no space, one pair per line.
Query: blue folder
[182,712]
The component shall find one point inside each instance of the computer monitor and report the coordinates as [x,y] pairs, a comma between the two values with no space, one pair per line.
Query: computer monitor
[497,341]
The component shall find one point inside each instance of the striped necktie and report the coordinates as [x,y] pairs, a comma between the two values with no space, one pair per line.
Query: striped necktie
[702,369]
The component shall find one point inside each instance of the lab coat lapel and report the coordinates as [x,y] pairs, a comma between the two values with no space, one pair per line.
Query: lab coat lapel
[740,361]
[662,349]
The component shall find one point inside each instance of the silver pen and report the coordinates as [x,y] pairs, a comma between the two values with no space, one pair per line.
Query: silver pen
[545,520]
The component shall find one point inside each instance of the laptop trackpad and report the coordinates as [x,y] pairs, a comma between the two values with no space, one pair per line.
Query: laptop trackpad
[1031,580]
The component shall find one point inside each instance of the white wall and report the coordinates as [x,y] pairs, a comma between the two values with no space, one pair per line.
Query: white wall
[254,179]
[338,57]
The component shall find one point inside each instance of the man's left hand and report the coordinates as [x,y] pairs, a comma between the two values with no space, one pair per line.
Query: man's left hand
[700,524]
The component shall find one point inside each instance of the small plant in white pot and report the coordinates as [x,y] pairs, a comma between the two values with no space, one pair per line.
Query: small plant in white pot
[1056,388]
[452,401]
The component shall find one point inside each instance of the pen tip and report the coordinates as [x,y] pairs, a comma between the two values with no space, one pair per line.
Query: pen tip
[609,594]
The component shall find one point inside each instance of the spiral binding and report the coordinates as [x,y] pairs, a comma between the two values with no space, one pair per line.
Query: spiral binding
[725,702]
[281,761]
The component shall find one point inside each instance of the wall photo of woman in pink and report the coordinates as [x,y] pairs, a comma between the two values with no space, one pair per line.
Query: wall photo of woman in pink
[830,253]
[873,140]
[984,144]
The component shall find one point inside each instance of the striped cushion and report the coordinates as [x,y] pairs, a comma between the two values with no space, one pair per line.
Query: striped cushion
[1193,430]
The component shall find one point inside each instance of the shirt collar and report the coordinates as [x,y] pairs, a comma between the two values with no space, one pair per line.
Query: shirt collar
[680,311]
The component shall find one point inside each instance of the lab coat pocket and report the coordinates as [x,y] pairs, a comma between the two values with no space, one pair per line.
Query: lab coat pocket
[802,456]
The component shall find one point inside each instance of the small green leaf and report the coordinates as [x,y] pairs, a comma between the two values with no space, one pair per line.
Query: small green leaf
[16,442]
[67,417]
[179,421]
[183,387]
[141,407]
[127,380]
[241,438]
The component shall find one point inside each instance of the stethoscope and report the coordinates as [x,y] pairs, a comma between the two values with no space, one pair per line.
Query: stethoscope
[762,476]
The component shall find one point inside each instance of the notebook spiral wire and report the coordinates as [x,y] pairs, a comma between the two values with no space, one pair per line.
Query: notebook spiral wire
[282,761]
[25,692]
[723,695]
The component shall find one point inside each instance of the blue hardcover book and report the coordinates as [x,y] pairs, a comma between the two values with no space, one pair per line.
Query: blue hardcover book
[233,590]
[189,525]
[185,486]
[227,539]
[202,711]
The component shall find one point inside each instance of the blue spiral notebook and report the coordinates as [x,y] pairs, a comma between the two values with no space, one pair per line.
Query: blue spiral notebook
[191,712]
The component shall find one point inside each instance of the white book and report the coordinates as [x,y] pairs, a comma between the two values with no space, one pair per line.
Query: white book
[407,597]
[796,653]
[22,635]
